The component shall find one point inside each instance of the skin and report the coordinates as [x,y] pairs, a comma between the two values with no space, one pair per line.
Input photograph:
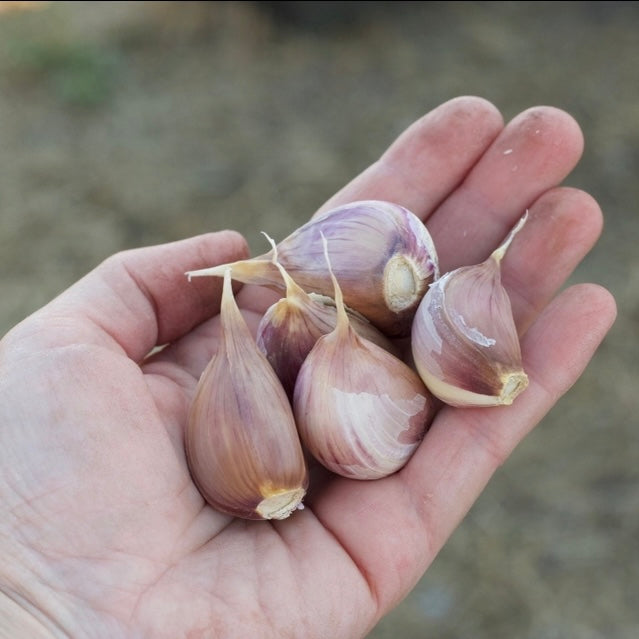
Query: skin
[102,532]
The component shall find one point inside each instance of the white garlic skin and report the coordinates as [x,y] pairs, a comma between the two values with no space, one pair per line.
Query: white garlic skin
[464,340]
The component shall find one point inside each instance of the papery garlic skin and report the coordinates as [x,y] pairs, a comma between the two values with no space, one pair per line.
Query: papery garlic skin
[289,329]
[241,442]
[286,336]
[381,253]
[464,340]
[360,411]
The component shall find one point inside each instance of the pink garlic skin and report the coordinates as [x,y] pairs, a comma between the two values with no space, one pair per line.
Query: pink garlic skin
[360,411]
[242,445]
[290,327]
[364,237]
[381,253]
[464,340]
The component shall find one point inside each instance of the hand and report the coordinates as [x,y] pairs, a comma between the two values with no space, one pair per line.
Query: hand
[102,532]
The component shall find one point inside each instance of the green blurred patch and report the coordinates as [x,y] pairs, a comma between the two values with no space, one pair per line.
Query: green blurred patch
[78,74]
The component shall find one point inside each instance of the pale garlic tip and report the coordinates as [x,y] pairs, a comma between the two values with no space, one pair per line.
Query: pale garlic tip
[500,251]
[280,504]
[514,384]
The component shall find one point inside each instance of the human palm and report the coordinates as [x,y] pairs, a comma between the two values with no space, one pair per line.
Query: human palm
[102,528]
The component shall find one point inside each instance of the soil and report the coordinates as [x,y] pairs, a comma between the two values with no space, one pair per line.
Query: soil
[128,124]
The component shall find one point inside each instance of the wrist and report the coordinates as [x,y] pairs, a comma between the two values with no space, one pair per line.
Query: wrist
[18,618]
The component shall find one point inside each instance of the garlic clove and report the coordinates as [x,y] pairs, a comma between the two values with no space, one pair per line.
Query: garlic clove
[382,255]
[464,340]
[290,327]
[360,411]
[241,442]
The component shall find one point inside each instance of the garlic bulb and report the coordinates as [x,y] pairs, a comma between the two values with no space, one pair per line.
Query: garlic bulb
[464,340]
[242,446]
[360,411]
[290,327]
[382,255]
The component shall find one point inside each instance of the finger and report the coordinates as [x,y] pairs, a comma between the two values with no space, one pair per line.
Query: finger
[409,516]
[140,298]
[429,159]
[479,176]
[546,142]
[533,153]
[422,166]
[473,443]
[563,225]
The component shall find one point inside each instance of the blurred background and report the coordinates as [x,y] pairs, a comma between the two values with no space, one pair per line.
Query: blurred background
[127,124]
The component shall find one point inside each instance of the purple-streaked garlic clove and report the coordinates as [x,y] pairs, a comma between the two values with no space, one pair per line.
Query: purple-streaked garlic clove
[464,340]
[360,411]
[241,442]
[290,327]
[381,253]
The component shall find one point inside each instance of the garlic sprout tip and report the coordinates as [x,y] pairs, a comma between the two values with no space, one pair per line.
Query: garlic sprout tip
[271,241]
[342,318]
[500,251]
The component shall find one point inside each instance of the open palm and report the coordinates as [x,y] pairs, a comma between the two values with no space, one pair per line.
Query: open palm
[102,532]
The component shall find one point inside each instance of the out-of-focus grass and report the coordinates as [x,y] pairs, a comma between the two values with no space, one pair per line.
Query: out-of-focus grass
[76,73]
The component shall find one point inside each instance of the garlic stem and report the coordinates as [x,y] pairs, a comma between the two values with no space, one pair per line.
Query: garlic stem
[500,251]
[342,318]
[293,289]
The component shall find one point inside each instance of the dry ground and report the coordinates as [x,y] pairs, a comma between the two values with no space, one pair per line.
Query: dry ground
[123,124]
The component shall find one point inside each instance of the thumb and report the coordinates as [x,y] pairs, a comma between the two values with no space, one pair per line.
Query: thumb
[139,298]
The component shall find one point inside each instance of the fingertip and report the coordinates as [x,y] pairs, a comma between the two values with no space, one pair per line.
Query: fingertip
[584,209]
[211,249]
[219,247]
[561,342]
[459,124]
[593,308]
[601,305]
[575,196]
[550,127]
[563,226]
[476,106]
[570,210]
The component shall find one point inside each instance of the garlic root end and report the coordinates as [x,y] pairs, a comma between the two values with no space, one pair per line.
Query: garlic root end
[280,504]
